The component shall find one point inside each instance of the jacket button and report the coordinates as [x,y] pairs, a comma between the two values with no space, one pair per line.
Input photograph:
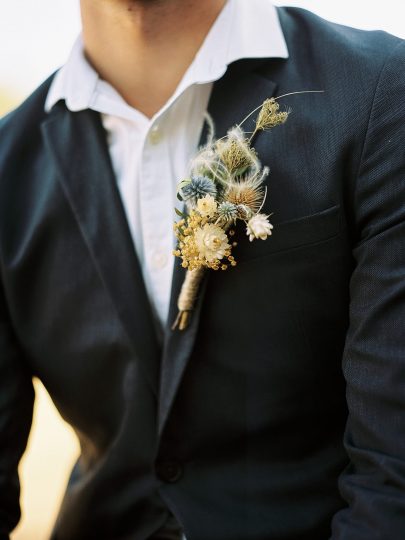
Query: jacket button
[169,471]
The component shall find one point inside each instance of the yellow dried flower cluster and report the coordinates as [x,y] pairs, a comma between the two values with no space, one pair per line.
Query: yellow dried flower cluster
[202,243]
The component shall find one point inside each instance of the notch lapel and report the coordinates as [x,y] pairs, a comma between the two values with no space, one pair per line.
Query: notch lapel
[77,144]
[233,97]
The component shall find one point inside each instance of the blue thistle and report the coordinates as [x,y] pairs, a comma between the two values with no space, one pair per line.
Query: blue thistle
[197,188]
[227,211]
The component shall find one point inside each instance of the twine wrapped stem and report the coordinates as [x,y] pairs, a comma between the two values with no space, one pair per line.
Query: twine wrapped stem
[187,297]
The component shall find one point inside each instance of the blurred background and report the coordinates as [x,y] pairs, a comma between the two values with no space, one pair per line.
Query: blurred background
[35,39]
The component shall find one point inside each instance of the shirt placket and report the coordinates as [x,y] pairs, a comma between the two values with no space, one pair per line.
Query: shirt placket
[156,207]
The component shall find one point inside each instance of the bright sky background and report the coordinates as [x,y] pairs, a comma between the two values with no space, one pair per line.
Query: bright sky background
[36,35]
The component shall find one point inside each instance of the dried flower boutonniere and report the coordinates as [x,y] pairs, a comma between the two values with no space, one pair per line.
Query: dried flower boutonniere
[225,185]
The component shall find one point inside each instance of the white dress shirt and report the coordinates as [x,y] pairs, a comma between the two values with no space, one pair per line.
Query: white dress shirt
[151,155]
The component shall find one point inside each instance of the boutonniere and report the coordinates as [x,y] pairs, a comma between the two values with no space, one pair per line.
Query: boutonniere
[226,184]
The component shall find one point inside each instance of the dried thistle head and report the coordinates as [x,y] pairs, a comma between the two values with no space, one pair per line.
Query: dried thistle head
[245,193]
[235,152]
[197,188]
[239,194]
[248,191]
[227,211]
[270,115]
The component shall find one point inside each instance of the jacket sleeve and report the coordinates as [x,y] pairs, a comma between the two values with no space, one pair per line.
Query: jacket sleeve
[16,404]
[373,484]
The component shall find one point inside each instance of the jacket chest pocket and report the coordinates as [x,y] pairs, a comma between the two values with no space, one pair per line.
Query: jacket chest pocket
[291,234]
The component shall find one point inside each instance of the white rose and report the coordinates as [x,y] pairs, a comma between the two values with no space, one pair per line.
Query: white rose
[207,206]
[211,242]
[259,227]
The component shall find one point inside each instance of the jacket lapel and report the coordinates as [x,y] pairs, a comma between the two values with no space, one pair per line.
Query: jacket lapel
[76,142]
[241,90]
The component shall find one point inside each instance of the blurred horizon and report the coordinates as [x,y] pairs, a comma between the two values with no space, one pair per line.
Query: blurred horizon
[47,29]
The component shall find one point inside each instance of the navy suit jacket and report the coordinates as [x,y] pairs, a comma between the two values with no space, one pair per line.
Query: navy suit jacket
[279,414]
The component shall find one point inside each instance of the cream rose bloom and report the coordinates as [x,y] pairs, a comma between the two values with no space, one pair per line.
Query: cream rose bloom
[207,206]
[259,227]
[211,242]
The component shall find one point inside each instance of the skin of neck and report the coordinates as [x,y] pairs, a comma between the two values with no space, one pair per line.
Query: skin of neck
[144,47]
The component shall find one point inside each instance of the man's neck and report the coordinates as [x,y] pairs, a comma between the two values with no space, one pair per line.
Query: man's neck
[144,47]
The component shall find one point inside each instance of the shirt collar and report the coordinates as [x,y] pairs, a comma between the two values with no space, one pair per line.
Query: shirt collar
[243,29]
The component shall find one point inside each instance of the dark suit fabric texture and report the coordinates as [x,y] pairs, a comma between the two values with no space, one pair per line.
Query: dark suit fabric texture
[279,413]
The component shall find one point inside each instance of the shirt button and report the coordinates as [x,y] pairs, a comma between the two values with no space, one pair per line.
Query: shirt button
[155,135]
[159,260]
[169,471]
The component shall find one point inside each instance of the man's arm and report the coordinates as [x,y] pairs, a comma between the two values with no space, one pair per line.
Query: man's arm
[16,403]
[374,357]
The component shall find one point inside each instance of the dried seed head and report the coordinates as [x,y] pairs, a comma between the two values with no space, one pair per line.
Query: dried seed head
[242,194]
[236,155]
[270,116]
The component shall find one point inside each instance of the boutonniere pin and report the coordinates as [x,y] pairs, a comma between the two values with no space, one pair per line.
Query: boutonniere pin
[226,184]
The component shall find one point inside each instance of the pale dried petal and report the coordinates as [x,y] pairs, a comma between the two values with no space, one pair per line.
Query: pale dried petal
[211,241]
[259,227]
[207,206]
